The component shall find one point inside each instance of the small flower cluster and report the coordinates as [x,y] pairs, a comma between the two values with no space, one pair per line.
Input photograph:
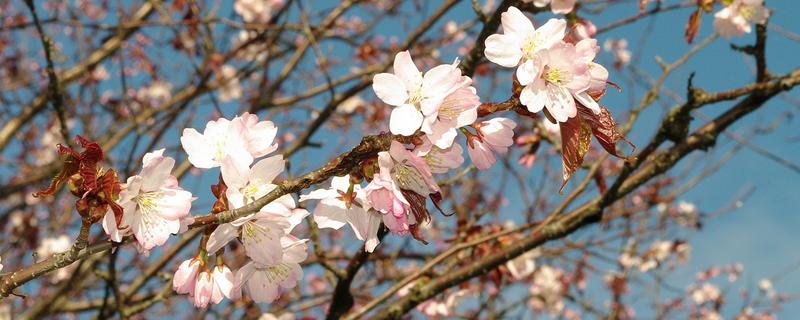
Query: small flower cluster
[274,253]
[555,74]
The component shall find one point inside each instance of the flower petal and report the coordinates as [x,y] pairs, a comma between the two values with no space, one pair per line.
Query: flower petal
[405,120]
[390,89]
[503,50]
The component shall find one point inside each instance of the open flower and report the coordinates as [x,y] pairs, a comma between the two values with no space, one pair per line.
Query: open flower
[153,204]
[440,160]
[562,78]
[220,139]
[521,43]
[261,231]
[263,282]
[458,109]
[411,92]
[335,209]
[735,19]
[409,171]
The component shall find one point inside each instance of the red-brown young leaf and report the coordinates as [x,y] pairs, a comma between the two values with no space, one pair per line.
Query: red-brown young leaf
[419,209]
[219,191]
[575,138]
[693,25]
[110,188]
[604,129]
[642,5]
[71,165]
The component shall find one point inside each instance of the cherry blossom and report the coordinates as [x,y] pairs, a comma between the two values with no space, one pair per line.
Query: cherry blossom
[494,136]
[219,139]
[203,289]
[337,207]
[557,6]
[223,283]
[183,282]
[385,196]
[53,245]
[261,231]
[263,282]
[548,290]
[259,135]
[523,266]
[521,43]
[231,90]
[440,160]
[735,19]
[480,153]
[562,78]
[256,11]
[412,93]
[619,48]
[458,109]
[153,204]
[408,171]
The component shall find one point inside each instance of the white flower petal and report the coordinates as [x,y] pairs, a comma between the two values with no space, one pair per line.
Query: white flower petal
[390,89]
[405,120]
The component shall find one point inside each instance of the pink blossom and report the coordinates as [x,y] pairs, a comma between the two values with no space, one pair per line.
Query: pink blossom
[261,231]
[494,136]
[521,43]
[263,282]
[440,160]
[221,138]
[412,93]
[259,135]
[385,197]
[333,211]
[223,283]
[408,170]
[185,277]
[203,289]
[480,153]
[458,109]
[562,77]
[735,19]
[231,90]
[618,48]
[153,204]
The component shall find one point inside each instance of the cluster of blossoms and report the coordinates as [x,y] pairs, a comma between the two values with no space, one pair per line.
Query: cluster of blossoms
[274,253]
[656,255]
[556,75]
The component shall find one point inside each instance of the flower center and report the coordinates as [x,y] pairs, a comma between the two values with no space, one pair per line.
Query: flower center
[415,96]
[250,193]
[529,46]
[276,273]
[556,76]
[747,12]
[255,231]
[147,201]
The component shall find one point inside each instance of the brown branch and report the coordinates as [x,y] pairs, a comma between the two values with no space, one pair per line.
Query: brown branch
[591,212]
